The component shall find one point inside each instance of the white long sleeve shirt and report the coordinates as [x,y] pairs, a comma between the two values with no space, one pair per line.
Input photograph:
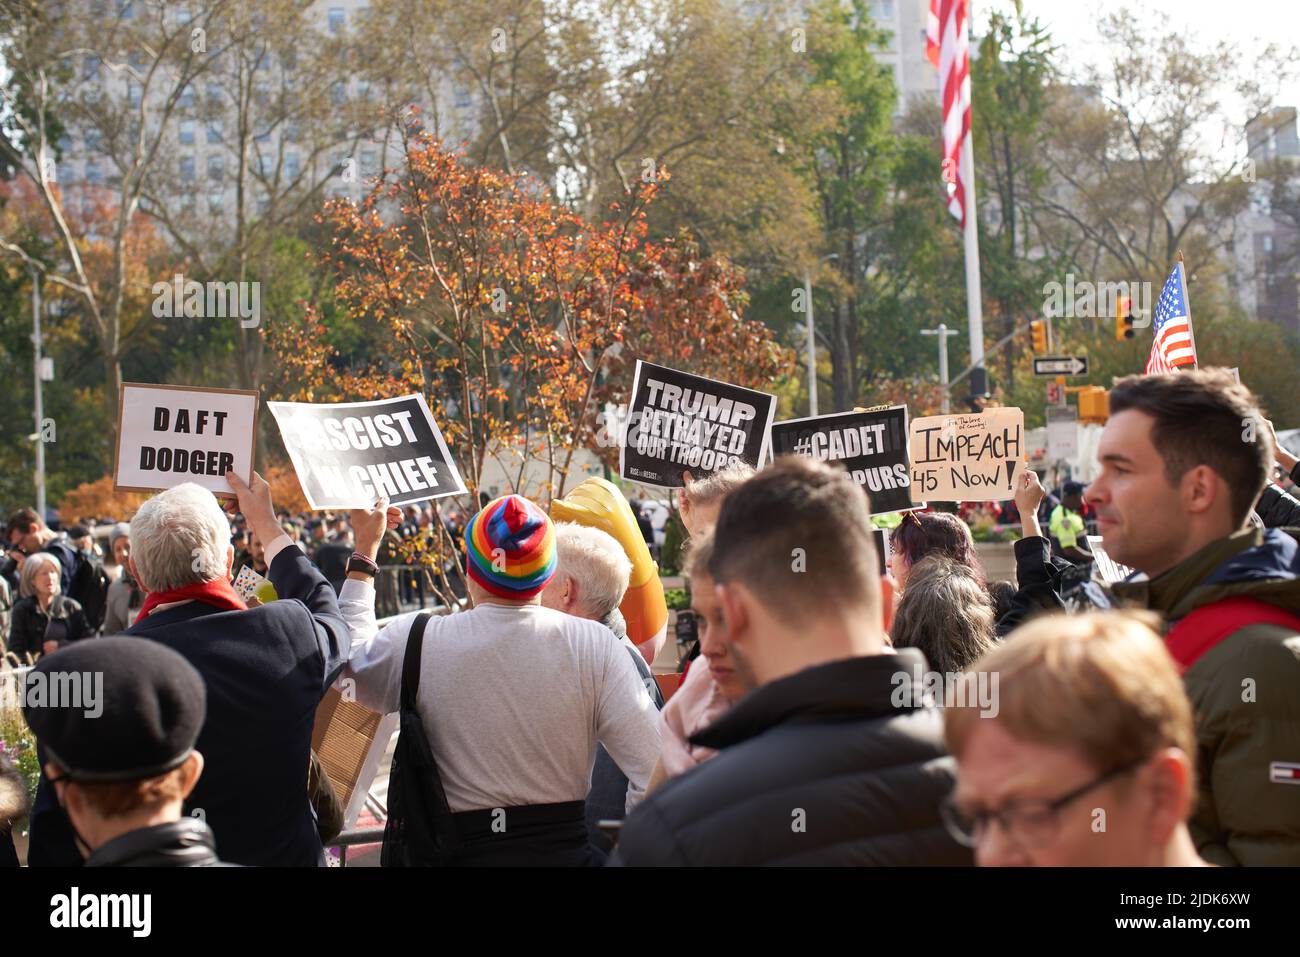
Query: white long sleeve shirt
[513,699]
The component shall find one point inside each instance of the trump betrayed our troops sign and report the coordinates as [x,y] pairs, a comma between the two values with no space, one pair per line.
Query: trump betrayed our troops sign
[967,458]
[678,422]
[168,435]
[350,454]
[871,445]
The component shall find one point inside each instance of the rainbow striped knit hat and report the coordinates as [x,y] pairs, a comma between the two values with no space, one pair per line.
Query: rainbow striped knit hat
[511,548]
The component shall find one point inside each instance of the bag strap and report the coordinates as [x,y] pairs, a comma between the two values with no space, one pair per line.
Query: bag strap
[411,660]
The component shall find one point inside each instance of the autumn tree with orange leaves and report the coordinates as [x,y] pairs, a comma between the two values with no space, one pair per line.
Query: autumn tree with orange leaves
[515,318]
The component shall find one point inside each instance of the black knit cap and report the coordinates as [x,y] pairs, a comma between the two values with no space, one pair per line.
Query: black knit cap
[153,703]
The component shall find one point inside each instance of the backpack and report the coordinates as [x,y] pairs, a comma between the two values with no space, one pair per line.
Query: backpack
[89,588]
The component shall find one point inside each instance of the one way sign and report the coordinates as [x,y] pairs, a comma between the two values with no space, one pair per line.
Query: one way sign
[1060,365]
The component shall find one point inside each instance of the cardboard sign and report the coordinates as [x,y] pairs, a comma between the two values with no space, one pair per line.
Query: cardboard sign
[967,458]
[871,445]
[679,422]
[169,434]
[349,454]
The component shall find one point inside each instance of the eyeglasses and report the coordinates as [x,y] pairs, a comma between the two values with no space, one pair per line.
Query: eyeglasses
[1031,824]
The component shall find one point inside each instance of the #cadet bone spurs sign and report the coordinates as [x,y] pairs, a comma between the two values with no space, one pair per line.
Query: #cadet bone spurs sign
[168,435]
[349,454]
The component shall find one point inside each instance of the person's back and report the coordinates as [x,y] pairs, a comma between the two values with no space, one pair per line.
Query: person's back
[514,700]
[853,781]
[835,757]
[265,676]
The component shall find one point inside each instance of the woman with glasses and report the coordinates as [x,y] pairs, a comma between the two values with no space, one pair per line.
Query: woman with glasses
[1085,757]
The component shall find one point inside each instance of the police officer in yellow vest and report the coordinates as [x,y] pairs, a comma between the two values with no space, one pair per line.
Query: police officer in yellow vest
[1066,526]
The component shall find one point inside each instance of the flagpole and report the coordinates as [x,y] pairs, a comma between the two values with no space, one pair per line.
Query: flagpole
[1187,299]
[974,309]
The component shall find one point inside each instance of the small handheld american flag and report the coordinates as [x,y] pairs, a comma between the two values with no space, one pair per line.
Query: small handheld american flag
[1173,346]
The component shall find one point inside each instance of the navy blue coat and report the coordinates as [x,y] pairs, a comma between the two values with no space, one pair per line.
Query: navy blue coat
[266,670]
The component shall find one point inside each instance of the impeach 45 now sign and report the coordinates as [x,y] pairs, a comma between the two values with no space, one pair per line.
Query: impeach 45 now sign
[871,445]
[170,434]
[349,454]
[967,458]
[679,422]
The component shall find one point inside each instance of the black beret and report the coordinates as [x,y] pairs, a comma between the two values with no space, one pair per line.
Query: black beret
[115,709]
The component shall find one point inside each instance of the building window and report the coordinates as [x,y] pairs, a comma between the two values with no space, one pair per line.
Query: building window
[216,167]
[369,163]
[336,19]
[187,169]
[187,97]
[339,93]
[93,174]
[133,93]
[93,139]
[214,94]
[186,135]
[263,165]
[214,131]
[1268,244]
[291,166]
[291,131]
[187,202]
[183,16]
[125,9]
[216,200]
[882,9]
[90,68]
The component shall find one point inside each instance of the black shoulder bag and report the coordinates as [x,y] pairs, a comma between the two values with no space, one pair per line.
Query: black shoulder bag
[419,831]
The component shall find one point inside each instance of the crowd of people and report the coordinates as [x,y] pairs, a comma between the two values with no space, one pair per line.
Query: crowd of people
[838,709]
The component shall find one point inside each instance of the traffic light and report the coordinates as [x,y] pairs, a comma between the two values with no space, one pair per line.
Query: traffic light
[1094,405]
[1038,333]
[1123,318]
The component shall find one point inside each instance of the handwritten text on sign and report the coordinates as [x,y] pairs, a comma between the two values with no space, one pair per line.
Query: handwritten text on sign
[967,458]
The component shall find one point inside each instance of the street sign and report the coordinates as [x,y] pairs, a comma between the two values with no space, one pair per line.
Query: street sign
[1060,365]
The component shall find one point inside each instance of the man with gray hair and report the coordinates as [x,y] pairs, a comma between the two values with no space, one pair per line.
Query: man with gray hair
[265,669]
[591,575]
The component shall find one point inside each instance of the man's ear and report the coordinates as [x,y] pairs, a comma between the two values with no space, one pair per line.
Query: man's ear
[569,597]
[1171,792]
[732,602]
[190,772]
[1201,489]
[130,564]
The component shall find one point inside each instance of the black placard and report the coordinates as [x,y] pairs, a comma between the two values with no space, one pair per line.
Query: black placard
[348,454]
[679,422]
[871,445]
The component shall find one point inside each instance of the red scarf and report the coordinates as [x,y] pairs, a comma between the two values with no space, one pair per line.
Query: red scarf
[218,593]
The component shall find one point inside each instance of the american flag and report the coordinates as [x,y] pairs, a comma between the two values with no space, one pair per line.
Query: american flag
[1173,346]
[947,44]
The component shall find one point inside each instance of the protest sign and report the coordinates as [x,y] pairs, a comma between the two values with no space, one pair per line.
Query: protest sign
[171,434]
[871,445]
[349,454]
[967,458]
[679,422]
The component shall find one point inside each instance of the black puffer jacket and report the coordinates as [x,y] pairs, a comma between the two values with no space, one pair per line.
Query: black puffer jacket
[819,768]
[32,627]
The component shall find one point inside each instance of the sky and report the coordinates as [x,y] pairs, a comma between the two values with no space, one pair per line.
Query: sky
[1249,24]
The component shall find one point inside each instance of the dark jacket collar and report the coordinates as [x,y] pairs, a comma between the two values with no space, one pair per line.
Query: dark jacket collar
[188,842]
[847,690]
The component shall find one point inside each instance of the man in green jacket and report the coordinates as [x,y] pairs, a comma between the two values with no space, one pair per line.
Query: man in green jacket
[1184,457]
